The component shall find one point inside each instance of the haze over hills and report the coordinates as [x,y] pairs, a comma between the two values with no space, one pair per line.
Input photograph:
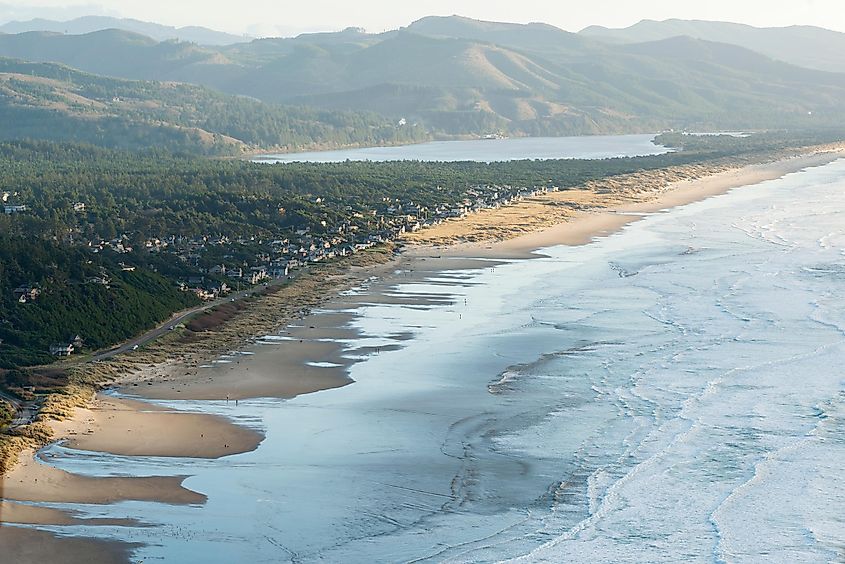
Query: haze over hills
[57,103]
[457,76]
[89,24]
[807,46]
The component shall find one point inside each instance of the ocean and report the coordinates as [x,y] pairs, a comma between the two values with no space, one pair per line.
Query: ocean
[672,392]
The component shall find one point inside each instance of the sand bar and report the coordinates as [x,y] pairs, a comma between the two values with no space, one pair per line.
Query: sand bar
[29,546]
[31,480]
[25,514]
[134,428]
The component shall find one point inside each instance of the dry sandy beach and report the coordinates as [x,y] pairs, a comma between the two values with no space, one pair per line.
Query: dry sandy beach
[305,353]
[576,217]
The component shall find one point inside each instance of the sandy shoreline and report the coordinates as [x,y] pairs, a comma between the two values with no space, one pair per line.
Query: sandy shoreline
[305,351]
[586,226]
[34,481]
[135,428]
[22,546]
[579,216]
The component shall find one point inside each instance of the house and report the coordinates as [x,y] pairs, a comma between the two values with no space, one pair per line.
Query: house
[26,294]
[12,209]
[203,294]
[257,274]
[279,272]
[61,349]
[101,280]
[79,207]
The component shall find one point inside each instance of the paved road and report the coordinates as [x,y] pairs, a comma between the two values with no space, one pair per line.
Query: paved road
[176,319]
[24,411]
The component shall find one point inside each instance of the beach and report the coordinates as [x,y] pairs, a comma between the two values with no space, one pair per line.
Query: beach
[310,346]
[576,217]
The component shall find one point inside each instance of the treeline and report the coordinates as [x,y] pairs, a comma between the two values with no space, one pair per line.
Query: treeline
[749,142]
[80,294]
[158,193]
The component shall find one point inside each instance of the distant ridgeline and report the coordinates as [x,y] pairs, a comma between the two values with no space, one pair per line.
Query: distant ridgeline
[57,103]
[438,76]
[103,244]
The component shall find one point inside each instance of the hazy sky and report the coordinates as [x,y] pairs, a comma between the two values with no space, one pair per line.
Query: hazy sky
[286,17]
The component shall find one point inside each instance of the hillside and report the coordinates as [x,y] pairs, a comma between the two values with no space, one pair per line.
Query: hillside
[805,46]
[55,102]
[110,52]
[459,76]
[89,24]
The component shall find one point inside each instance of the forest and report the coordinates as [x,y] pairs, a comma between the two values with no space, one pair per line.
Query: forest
[90,222]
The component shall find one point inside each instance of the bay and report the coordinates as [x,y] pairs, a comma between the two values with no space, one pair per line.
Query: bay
[539,148]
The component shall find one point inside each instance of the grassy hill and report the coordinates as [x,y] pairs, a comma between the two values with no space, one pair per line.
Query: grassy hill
[805,46]
[55,102]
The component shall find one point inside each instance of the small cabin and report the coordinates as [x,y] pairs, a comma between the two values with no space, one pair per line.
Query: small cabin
[61,349]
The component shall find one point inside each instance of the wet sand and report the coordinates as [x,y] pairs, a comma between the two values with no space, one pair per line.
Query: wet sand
[24,514]
[29,546]
[286,367]
[33,481]
[586,227]
[305,356]
[134,428]
[308,356]
[284,375]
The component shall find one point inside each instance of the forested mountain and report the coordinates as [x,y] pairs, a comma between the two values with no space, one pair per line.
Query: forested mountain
[89,24]
[55,102]
[459,76]
[805,46]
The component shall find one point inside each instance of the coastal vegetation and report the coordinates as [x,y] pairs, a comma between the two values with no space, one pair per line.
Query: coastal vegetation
[99,245]
[116,241]
[152,248]
[102,244]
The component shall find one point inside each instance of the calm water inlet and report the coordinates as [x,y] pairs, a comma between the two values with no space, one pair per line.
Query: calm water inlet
[539,148]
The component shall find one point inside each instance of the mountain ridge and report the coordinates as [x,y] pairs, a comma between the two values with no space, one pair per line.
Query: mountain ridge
[809,46]
[458,76]
[87,24]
